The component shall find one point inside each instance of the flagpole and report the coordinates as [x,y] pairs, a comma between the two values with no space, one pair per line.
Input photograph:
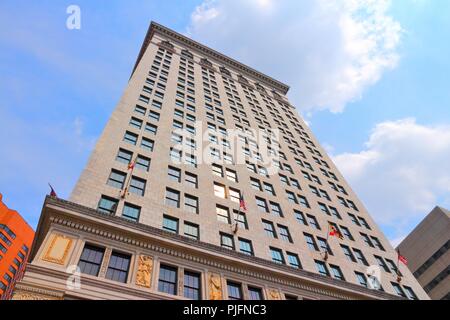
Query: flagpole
[125,191]
[399,278]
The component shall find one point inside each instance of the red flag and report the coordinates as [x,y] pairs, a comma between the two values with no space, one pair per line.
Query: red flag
[401,258]
[335,232]
[131,165]
[52,191]
[242,203]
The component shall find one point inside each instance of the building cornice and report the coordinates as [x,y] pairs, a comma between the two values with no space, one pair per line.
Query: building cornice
[209,53]
[54,210]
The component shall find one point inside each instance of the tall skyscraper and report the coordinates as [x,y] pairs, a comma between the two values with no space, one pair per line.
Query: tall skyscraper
[427,249]
[207,184]
[16,237]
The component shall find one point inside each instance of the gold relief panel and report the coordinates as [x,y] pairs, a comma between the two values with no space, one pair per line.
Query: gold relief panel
[144,271]
[274,294]
[215,287]
[58,249]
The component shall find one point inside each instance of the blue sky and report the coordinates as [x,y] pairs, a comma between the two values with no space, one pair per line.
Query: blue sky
[390,126]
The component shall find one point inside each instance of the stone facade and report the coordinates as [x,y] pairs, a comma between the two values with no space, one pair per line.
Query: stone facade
[190,75]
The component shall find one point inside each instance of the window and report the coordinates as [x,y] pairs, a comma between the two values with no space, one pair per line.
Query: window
[313,222]
[137,186]
[192,285]
[245,246]
[255,293]
[226,241]
[269,229]
[310,242]
[262,205]
[107,205]
[276,209]
[363,222]
[323,244]
[191,180]
[118,267]
[398,289]
[191,203]
[269,189]
[240,219]
[117,179]
[231,175]
[91,260]
[170,224]
[410,293]
[140,110]
[219,190]
[382,264]
[300,217]
[303,201]
[142,163]
[151,128]
[217,170]
[134,122]
[277,255]
[284,233]
[174,174]
[354,219]
[346,233]
[191,230]
[131,212]
[223,214]
[167,279]
[360,257]
[293,260]
[361,278]
[367,240]
[172,198]
[124,156]
[322,268]
[291,197]
[348,253]
[147,144]
[336,272]
[377,243]
[235,195]
[234,291]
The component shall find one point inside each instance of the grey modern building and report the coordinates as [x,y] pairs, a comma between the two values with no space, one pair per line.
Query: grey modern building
[427,251]
[207,184]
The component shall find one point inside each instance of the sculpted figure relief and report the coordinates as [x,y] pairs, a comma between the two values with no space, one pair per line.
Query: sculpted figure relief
[144,272]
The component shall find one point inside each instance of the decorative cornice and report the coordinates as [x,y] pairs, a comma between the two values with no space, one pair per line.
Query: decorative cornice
[227,61]
[313,281]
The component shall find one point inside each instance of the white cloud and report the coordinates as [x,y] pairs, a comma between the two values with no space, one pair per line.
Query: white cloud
[330,52]
[402,173]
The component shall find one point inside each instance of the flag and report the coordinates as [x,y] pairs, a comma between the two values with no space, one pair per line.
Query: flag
[401,258]
[242,203]
[52,191]
[335,232]
[131,165]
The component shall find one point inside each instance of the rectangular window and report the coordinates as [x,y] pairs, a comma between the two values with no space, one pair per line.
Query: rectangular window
[277,255]
[137,186]
[310,242]
[174,174]
[172,198]
[170,224]
[142,163]
[231,175]
[107,205]
[262,204]
[322,268]
[117,179]
[167,279]
[134,122]
[255,293]
[131,212]
[124,156]
[398,289]
[348,253]
[147,144]
[192,285]
[293,260]
[240,219]
[191,203]
[226,241]
[234,291]
[284,233]
[217,170]
[361,278]
[313,222]
[300,217]
[336,272]
[191,230]
[191,180]
[151,128]
[91,260]
[245,246]
[276,209]
[219,190]
[269,229]
[223,214]
[119,264]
